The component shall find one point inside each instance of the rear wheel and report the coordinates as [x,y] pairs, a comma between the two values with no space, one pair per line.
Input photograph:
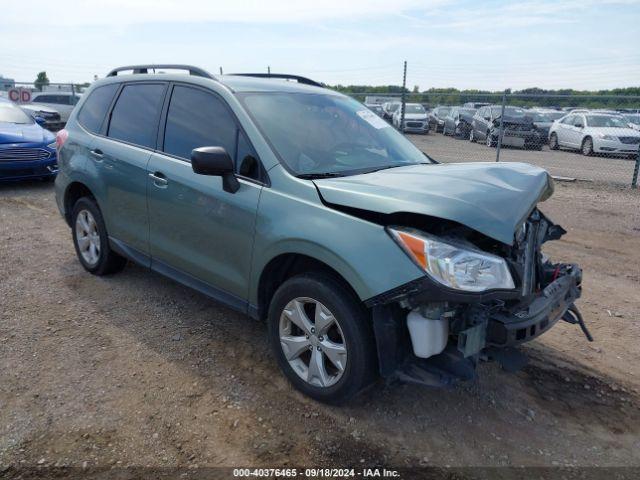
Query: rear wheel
[321,338]
[587,146]
[91,241]
[553,142]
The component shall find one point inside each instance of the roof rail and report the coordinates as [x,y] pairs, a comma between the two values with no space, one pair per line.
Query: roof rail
[196,71]
[286,76]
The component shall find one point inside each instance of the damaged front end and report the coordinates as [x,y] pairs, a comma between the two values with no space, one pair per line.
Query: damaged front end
[433,332]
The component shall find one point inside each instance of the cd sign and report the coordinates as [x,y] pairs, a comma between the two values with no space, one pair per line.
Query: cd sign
[19,95]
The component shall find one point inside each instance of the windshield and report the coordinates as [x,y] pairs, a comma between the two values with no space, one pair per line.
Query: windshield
[9,113]
[442,111]
[413,108]
[512,112]
[317,134]
[545,116]
[606,121]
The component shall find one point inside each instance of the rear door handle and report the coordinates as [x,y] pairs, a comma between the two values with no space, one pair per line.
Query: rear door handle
[159,180]
[97,154]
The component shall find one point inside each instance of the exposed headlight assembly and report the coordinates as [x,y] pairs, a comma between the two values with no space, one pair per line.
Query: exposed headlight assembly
[52,145]
[454,266]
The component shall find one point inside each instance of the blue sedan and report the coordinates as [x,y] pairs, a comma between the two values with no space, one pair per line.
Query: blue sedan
[26,149]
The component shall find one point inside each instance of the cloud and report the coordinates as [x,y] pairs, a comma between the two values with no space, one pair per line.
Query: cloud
[128,12]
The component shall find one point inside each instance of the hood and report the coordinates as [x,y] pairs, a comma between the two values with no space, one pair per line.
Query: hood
[514,120]
[543,125]
[37,107]
[415,116]
[613,131]
[22,133]
[491,198]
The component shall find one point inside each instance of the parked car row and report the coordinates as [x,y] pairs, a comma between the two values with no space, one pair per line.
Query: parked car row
[590,131]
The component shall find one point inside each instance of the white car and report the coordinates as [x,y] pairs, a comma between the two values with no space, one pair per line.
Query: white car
[415,118]
[63,102]
[594,133]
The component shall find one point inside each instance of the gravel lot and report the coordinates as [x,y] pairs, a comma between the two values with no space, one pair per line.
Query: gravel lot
[565,163]
[136,370]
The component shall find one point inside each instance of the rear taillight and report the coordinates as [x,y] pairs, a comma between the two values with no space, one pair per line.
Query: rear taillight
[61,137]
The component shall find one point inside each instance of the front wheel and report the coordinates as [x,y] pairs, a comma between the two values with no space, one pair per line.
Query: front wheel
[587,146]
[490,141]
[472,136]
[321,337]
[553,142]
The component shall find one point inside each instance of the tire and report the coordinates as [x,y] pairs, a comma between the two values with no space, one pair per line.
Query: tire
[587,146]
[553,142]
[444,130]
[472,136]
[91,241]
[349,336]
[489,141]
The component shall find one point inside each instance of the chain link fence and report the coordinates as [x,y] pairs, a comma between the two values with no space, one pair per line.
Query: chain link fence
[584,137]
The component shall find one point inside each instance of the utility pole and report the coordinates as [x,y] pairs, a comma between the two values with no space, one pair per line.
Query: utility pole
[504,101]
[404,85]
[269,70]
[220,70]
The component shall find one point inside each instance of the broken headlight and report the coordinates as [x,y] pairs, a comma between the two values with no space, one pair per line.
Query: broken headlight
[454,266]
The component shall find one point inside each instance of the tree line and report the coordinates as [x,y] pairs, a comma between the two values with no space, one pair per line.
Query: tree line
[614,98]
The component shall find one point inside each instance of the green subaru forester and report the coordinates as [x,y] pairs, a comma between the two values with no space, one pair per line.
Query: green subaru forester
[295,204]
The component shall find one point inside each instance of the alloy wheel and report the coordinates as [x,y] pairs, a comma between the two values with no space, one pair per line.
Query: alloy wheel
[312,342]
[88,237]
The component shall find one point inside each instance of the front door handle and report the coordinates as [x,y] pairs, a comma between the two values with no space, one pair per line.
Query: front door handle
[97,154]
[159,180]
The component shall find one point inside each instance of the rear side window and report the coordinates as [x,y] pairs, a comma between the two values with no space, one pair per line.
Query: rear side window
[134,118]
[95,108]
[197,119]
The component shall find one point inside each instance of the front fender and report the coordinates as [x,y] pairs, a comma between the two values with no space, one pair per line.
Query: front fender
[298,222]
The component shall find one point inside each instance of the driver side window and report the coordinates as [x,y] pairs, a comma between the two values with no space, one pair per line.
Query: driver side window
[197,118]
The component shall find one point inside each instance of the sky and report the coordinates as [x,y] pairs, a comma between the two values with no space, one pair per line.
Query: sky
[581,44]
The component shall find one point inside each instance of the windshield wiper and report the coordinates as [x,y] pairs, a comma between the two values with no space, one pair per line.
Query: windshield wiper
[312,176]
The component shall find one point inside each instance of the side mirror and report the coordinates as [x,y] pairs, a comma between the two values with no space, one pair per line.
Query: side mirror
[40,121]
[579,125]
[215,161]
[488,119]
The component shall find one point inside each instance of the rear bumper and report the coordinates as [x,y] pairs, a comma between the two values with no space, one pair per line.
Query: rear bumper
[21,170]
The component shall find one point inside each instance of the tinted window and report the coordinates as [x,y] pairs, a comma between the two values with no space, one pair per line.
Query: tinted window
[96,106]
[135,115]
[43,98]
[197,119]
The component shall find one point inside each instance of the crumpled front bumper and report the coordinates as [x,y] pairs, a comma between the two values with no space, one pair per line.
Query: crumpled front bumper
[530,319]
[501,321]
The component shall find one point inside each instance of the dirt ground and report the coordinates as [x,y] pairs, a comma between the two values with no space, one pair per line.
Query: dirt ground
[136,370]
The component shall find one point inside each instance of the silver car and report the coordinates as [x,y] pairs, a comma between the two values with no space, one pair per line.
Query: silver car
[594,133]
[415,118]
[62,102]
